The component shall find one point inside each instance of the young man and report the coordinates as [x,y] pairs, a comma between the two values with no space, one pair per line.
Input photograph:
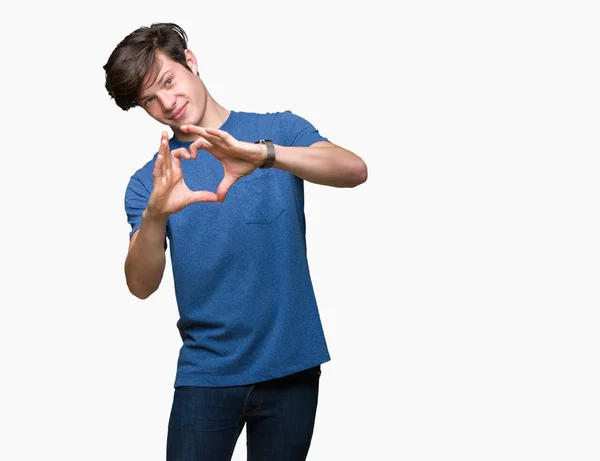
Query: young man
[226,193]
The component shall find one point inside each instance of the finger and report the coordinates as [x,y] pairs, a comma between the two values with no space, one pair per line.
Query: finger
[164,144]
[160,159]
[180,153]
[204,196]
[223,136]
[219,133]
[157,172]
[198,144]
[161,176]
[223,188]
[195,129]
[163,170]
[176,163]
[212,136]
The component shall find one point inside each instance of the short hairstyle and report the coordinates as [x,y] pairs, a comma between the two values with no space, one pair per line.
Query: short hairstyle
[134,58]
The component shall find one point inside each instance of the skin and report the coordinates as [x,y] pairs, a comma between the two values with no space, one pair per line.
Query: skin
[178,98]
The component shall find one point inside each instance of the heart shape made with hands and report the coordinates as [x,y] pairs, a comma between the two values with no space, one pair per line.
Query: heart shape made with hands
[170,192]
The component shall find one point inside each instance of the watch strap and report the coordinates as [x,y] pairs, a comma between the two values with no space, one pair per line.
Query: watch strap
[270,153]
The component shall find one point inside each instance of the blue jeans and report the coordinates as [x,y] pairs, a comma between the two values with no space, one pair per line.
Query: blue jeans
[279,415]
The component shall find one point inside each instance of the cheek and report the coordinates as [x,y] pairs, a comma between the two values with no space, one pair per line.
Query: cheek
[195,91]
[154,111]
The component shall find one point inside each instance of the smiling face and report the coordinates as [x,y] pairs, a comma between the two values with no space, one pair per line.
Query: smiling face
[173,95]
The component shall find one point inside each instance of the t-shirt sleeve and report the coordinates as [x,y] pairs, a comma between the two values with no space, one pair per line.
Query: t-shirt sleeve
[136,199]
[300,132]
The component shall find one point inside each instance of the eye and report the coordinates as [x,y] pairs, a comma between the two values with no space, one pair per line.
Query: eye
[148,100]
[169,81]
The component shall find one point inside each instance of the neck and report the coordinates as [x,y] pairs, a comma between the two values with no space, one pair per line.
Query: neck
[214,113]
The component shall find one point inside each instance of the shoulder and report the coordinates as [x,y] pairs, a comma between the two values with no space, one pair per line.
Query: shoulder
[270,117]
[261,117]
[142,177]
[285,121]
[284,127]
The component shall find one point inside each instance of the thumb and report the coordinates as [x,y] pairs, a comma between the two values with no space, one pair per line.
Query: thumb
[202,196]
[223,188]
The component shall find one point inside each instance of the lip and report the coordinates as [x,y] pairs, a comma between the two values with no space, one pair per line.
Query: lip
[179,112]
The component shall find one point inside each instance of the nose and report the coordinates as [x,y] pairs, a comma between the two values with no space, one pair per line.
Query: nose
[166,100]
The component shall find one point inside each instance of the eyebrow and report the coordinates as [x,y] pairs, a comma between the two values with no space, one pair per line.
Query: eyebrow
[159,80]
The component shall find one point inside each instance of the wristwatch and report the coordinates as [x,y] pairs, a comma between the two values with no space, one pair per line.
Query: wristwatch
[270,153]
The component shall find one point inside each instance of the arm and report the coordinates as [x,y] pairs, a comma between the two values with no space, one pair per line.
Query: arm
[145,261]
[322,163]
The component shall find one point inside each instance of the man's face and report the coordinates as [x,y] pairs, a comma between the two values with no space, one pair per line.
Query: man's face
[174,96]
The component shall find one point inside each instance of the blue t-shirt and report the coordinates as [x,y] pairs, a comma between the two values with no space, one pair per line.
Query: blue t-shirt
[247,309]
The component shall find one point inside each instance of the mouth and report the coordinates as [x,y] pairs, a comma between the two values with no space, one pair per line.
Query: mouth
[178,114]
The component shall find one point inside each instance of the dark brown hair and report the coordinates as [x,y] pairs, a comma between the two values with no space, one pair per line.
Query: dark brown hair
[134,58]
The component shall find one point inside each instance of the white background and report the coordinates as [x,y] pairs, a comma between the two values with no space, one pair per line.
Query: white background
[458,287]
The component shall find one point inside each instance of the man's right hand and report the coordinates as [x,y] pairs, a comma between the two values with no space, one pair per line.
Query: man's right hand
[170,193]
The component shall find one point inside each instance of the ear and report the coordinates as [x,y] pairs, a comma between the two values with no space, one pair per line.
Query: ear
[191,61]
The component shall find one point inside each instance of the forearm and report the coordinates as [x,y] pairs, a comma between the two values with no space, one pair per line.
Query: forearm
[145,262]
[327,165]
